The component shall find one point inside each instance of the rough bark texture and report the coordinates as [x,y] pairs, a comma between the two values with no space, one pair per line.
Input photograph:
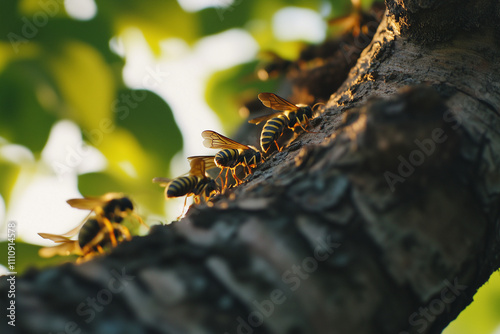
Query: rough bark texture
[384,221]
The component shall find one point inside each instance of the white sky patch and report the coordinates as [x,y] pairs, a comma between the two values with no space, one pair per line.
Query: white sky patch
[195,5]
[16,154]
[294,23]
[67,154]
[174,49]
[81,9]
[3,270]
[116,45]
[181,75]
[42,207]
[226,49]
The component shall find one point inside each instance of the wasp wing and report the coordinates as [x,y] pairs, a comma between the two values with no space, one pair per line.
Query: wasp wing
[207,160]
[216,140]
[55,237]
[67,248]
[197,167]
[77,229]
[162,181]
[275,102]
[261,119]
[67,235]
[90,203]
[85,203]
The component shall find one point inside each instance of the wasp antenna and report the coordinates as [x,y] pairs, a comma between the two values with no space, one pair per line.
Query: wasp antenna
[139,219]
[319,103]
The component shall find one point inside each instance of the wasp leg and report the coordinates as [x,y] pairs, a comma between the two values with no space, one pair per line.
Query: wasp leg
[307,124]
[111,232]
[249,170]
[235,177]
[227,174]
[183,208]
[84,258]
[197,199]
[220,177]
[139,219]
[277,146]
[135,215]
[124,231]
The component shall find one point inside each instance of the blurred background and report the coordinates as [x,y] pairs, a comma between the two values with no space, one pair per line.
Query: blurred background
[102,96]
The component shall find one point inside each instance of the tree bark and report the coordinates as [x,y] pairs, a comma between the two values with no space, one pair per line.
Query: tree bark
[384,220]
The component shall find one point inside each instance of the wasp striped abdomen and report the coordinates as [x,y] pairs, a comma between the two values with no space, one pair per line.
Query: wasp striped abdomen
[95,235]
[272,130]
[181,186]
[88,232]
[289,115]
[228,157]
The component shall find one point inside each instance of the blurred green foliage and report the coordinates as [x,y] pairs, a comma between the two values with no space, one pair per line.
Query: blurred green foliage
[54,67]
[230,88]
[483,314]
[25,253]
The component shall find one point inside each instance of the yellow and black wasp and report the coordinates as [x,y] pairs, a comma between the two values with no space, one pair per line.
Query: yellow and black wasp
[232,153]
[289,115]
[102,230]
[109,208]
[197,184]
[207,187]
[93,238]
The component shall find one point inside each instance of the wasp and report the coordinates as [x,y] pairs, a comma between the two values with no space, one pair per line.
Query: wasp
[289,115]
[111,207]
[93,238]
[95,233]
[232,153]
[197,184]
[206,187]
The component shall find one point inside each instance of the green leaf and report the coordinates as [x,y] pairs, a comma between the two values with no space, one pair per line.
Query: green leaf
[27,256]
[96,33]
[343,7]
[481,316]
[25,101]
[214,20]
[151,121]
[8,177]
[156,19]
[227,91]
[85,83]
